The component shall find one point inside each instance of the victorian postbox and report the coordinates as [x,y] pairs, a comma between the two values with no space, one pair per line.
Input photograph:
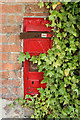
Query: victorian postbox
[36,39]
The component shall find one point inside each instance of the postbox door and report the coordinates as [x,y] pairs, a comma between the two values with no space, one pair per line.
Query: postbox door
[35,46]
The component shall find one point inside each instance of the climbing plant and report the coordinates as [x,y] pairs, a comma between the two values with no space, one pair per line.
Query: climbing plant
[60,66]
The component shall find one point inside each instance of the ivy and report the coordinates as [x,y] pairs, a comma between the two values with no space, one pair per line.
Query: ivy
[60,66]
[23,56]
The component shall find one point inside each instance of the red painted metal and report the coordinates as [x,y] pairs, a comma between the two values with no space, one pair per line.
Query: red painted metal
[35,46]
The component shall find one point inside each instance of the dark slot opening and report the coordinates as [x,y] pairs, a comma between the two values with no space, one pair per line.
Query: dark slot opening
[32,82]
[33,67]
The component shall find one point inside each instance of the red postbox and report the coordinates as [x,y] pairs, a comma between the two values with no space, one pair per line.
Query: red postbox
[35,46]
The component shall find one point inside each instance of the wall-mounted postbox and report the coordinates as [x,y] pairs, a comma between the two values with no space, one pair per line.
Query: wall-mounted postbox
[36,39]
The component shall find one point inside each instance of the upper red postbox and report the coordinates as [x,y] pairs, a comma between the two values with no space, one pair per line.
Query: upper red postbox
[35,46]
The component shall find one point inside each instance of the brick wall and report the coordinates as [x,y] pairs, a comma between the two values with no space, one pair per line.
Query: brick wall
[11,20]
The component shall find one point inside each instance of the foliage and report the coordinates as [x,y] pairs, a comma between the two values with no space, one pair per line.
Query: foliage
[23,56]
[60,66]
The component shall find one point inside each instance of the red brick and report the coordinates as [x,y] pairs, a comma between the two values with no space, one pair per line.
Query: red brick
[10,48]
[4,74]
[0,83]
[12,39]
[12,97]
[0,8]
[19,18]
[18,40]
[11,19]
[8,66]
[11,8]
[2,28]
[13,90]
[2,19]
[10,0]
[19,91]
[0,56]
[28,1]
[36,14]
[4,57]
[34,8]
[10,29]
[18,74]
[13,57]
[4,90]
[11,74]
[3,38]
[0,90]
[0,75]
[11,83]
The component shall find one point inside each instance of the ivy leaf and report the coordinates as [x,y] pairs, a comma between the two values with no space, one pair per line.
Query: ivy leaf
[50,73]
[41,4]
[47,24]
[39,62]
[57,63]
[59,35]
[71,108]
[32,116]
[21,57]
[44,18]
[26,96]
[51,17]
[34,59]
[45,80]
[48,61]
[50,52]
[53,88]
[55,5]
[66,72]
[74,86]
[47,6]
[62,90]
[27,56]
[43,56]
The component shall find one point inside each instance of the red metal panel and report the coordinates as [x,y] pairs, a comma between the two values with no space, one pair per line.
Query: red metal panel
[35,46]
[35,75]
[32,91]
[35,24]
[33,83]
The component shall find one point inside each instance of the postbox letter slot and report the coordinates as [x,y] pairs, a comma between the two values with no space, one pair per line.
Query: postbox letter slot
[32,82]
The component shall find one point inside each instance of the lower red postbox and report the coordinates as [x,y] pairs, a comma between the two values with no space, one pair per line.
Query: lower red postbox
[35,46]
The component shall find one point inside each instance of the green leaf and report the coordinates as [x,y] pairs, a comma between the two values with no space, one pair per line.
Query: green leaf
[47,6]
[71,108]
[27,56]
[43,56]
[39,62]
[34,59]
[48,61]
[50,73]
[50,52]
[59,35]
[21,57]
[26,96]
[66,71]
[47,24]
[41,4]
[45,18]
[57,63]
[45,80]
[32,116]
